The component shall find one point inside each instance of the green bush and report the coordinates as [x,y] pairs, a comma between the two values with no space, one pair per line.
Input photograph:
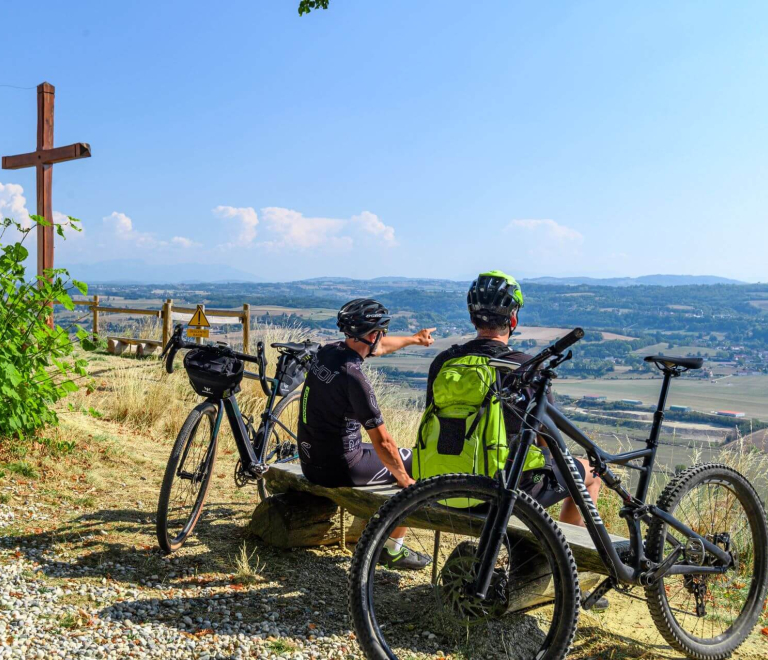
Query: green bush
[37,366]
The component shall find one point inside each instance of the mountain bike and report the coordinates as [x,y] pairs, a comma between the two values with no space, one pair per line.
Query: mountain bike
[215,371]
[504,581]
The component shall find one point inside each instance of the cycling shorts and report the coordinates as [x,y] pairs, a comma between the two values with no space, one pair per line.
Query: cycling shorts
[368,471]
[548,486]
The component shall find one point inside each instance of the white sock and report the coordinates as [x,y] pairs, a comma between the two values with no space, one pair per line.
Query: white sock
[393,545]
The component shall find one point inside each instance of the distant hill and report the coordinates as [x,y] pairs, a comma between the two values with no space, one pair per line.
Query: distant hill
[135,271]
[647,280]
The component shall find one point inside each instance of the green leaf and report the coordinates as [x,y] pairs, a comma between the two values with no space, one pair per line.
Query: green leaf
[82,287]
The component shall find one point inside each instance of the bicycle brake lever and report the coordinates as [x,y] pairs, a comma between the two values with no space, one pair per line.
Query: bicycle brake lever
[559,360]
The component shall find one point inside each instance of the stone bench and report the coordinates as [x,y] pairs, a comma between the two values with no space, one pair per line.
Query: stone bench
[302,514]
[144,347]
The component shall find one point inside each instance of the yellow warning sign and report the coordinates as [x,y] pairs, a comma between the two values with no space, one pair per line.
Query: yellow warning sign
[198,332]
[199,319]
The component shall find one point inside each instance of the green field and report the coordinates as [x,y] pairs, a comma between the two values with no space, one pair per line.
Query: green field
[748,394]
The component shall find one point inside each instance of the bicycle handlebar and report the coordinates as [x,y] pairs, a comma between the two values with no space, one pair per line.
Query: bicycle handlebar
[176,344]
[527,369]
[558,348]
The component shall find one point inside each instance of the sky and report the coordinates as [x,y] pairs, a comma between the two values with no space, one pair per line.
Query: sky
[424,139]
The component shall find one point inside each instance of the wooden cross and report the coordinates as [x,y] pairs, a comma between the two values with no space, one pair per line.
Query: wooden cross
[43,159]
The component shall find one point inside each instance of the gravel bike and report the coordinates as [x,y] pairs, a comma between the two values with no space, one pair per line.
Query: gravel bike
[215,371]
[505,583]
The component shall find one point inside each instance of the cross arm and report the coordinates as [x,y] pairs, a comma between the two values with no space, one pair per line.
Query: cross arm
[47,156]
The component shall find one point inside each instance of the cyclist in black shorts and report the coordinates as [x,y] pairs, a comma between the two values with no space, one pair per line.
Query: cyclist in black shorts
[337,400]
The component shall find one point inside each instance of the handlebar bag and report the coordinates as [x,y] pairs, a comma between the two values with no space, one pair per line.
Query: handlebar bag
[290,372]
[212,375]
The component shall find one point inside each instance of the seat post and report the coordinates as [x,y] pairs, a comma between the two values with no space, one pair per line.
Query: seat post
[658,415]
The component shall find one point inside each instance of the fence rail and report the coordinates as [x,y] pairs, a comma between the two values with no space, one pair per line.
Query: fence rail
[166,314]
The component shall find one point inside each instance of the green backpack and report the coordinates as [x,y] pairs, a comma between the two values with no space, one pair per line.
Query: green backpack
[463,429]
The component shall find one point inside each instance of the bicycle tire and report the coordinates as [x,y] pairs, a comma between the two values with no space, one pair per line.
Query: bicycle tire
[282,405]
[167,542]
[360,587]
[660,594]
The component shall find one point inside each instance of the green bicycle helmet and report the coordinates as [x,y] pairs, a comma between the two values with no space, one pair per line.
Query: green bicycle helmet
[494,295]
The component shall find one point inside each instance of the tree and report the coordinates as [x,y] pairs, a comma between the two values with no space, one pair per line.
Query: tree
[37,367]
[306,6]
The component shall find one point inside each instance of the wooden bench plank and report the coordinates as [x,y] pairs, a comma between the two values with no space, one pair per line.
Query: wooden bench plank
[364,501]
[136,342]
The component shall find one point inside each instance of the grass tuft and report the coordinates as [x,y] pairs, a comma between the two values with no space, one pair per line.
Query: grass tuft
[247,572]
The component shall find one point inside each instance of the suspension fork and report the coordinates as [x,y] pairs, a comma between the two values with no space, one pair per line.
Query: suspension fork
[495,528]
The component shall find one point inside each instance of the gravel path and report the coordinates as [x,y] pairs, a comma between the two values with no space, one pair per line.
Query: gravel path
[55,603]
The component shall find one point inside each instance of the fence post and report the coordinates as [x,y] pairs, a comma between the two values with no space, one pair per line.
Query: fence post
[95,309]
[246,328]
[167,320]
[199,340]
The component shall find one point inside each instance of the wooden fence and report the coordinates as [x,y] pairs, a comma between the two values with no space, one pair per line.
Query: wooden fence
[166,314]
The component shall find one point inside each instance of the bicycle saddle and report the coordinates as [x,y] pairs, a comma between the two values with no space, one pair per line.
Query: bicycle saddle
[295,347]
[666,361]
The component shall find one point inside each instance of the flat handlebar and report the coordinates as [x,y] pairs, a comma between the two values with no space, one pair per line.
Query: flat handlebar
[558,348]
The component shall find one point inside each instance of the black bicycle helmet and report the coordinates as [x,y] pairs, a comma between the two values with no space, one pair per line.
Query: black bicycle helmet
[361,316]
[494,295]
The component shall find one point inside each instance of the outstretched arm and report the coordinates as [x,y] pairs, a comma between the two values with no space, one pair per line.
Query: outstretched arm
[386,448]
[391,344]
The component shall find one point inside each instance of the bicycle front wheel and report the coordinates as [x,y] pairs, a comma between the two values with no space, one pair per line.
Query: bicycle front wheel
[532,606]
[282,443]
[707,616]
[187,478]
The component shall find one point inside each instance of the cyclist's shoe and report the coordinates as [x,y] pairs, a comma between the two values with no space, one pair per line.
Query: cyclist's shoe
[601,604]
[404,559]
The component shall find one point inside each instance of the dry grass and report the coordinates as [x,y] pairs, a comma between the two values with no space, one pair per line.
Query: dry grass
[247,571]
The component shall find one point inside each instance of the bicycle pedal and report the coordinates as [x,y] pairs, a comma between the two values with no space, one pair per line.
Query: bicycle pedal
[603,588]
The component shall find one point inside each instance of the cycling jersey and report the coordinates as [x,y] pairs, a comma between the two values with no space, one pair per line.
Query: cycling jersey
[336,401]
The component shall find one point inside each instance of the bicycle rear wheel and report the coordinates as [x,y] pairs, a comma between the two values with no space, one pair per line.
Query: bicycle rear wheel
[187,478]
[708,616]
[533,604]
[282,443]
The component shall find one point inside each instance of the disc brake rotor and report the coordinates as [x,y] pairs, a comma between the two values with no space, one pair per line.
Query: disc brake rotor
[454,584]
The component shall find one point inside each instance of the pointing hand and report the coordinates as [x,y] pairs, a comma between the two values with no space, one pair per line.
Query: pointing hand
[424,337]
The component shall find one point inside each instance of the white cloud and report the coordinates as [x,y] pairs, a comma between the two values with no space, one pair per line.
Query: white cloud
[122,227]
[183,242]
[294,230]
[121,224]
[13,204]
[548,230]
[248,220]
[371,224]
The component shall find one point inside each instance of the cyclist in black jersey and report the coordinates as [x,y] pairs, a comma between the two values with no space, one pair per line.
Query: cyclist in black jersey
[338,400]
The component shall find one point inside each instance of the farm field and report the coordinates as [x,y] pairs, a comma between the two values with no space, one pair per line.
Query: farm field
[661,349]
[748,394]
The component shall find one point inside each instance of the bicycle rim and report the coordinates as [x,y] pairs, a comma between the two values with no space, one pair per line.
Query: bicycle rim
[191,479]
[281,445]
[712,611]
[532,605]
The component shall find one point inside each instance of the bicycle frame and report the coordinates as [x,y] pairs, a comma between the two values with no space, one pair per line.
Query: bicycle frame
[544,419]
[250,455]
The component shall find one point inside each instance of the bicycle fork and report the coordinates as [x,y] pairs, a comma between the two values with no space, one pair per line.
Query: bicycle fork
[495,528]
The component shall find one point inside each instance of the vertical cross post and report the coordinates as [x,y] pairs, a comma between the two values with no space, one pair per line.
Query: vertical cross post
[45,97]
